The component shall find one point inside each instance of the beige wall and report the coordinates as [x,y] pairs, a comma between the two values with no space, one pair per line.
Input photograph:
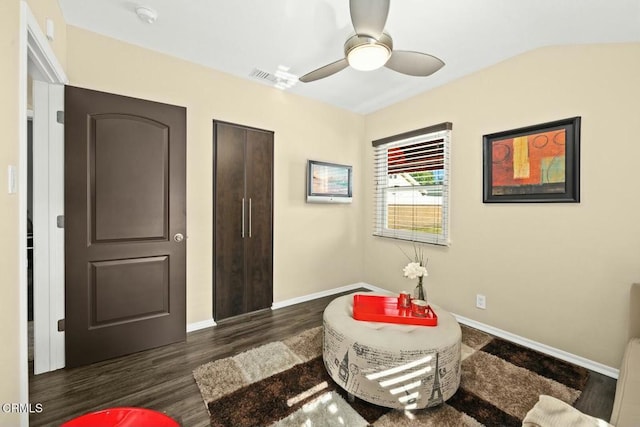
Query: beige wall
[49,9]
[555,273]
[9,305]
[316,247]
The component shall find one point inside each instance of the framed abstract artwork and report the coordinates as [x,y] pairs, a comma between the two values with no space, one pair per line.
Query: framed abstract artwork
[533,164]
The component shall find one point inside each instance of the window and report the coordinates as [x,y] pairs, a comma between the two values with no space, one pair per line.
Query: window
[412,185]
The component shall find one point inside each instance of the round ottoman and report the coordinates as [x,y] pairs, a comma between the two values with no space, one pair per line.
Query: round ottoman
[392,365]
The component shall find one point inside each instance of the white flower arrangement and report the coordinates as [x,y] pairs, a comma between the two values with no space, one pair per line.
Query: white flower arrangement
[417,266]
[413,270]
[417,269]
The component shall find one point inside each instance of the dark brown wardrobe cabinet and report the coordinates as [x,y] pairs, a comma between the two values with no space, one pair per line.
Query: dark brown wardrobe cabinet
[242,219]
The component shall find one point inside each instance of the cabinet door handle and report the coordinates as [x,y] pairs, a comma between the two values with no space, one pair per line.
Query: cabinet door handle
[249,216]
[242,219]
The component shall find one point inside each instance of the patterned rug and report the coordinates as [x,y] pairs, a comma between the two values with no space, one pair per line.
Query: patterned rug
[284,383]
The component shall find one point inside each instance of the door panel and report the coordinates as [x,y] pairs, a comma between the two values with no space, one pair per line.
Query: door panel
[128,290]
[229,223]
[259,245]
[123,143]
[125,165]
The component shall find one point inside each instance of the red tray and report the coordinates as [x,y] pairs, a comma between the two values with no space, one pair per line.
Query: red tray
[374,308]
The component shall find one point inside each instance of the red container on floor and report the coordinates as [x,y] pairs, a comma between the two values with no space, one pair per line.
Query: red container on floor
[374,308]
[123,417]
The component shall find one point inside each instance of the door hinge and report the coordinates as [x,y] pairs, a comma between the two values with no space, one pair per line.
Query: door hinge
[61,325]
[60,221]
[60,117]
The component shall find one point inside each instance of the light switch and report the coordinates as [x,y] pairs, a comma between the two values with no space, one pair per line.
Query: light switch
[12,184]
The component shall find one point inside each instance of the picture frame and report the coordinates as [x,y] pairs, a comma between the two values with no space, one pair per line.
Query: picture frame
[533,164]
[329,182]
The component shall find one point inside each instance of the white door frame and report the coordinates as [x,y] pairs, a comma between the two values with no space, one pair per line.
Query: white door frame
[48,235]
[36,58]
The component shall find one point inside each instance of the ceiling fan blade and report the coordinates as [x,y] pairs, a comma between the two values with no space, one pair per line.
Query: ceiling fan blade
[369,16]
[325,71]
[413,63]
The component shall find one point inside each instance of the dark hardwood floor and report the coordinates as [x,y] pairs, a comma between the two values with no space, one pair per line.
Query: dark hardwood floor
[161,379]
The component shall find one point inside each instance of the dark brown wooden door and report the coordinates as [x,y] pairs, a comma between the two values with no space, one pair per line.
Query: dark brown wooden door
[243,220]
[229,223]
[125,223]
[259,242]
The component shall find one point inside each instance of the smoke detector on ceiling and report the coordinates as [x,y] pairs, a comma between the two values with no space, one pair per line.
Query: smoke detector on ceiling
[146,14]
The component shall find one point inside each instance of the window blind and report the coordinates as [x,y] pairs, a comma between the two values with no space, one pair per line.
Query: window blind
[411,184]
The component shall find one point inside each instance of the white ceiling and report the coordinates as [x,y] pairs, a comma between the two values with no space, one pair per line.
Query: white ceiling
[237,36]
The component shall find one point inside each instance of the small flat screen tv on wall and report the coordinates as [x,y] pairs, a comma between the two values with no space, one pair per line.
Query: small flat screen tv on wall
[329,182]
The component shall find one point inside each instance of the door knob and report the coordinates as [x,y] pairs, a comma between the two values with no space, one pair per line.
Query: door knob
[178,237]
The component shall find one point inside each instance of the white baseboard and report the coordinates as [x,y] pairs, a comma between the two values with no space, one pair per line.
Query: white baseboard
[196,326]
[534,345]
[542,348]
[322,294]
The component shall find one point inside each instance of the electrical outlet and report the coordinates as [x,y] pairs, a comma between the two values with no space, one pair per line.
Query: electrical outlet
[481,301]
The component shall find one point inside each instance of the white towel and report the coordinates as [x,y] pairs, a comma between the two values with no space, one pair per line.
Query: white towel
[551,412]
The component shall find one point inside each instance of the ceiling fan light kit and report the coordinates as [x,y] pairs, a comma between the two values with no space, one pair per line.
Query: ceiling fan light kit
[366,53]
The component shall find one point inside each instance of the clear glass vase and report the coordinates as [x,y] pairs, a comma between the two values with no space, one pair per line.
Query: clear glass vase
[419,292]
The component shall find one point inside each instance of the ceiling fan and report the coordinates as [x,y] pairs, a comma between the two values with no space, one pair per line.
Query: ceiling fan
[371,47]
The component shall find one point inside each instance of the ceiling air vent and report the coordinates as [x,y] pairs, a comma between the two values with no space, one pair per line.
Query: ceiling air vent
[263,75]
[282,79]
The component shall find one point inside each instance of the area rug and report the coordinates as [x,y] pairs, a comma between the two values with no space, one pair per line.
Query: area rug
[284,383]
